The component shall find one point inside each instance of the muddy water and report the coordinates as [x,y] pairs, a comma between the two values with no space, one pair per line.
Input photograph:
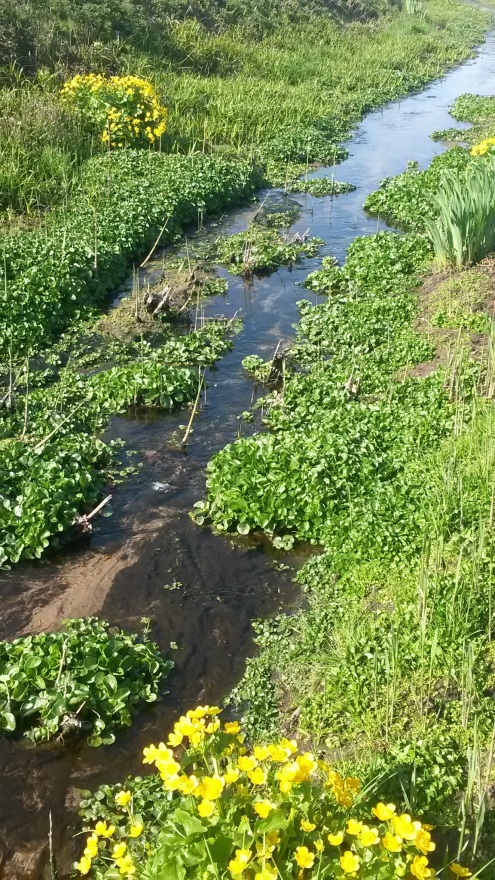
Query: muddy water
[125,572]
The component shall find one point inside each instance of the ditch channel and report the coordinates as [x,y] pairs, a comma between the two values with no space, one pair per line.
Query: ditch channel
[201,591]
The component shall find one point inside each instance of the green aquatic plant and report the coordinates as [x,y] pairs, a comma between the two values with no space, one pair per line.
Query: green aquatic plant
[122,207]
[259,251]
[408,200]
[320,186]
[87,680]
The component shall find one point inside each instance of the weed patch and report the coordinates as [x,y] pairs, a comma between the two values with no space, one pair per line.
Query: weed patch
[86,680]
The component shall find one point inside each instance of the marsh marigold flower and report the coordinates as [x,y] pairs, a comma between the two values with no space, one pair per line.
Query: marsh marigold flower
[306,825]
[304,857]
[404,827]
[211,787]
[383,812]
[84,865]
[232,727]
[459,871]
[349,863]
[242,859]
[420,869]
[391,843]
[104,830]
[368,836]
[123,798]
[136,829]
[263,808]
[206,808]
[424,842]
[336,839]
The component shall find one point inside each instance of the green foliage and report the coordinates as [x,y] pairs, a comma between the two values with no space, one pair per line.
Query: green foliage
[334,443]
[408,200]
[320,186]
[53,468]
[257,368]
[259,251]
[464,229]
[50,277]
[89,679]
[473,108]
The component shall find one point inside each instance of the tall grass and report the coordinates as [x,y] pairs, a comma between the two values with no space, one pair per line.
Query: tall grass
[464,232]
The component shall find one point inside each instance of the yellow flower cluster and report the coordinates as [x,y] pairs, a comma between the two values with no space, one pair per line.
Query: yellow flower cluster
[216,777]
[126,108]
[484,147]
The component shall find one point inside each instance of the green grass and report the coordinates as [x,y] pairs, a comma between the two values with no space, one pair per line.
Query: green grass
[388,665]
[286,94]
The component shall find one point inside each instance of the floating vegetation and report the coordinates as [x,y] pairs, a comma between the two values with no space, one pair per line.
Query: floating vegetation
[259,251]
[320,186]
[87,680]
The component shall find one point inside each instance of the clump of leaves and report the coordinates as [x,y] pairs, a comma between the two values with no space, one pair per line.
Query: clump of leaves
[473,108]
[408,199]
[257,368]
[320,186]
[89,679]
[459,135]
[259,251]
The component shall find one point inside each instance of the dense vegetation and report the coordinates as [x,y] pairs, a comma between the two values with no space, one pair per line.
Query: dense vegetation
[372,453]
[87,680]
[385,458]
[269,812]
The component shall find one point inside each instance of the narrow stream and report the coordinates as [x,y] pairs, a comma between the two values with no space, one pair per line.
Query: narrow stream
[150,543]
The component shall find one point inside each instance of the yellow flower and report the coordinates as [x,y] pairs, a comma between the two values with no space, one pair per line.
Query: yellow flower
[104,830]
[368,836]
[304,857]
[188,785]
[261,753]
[336,839]
[136,829]
[459,871]
[349,862]
[278,753]
[242,858]
[247,763]
[263,808]
[384,812]
[424,842]
[211,787]
[232,727]
[272,839]
[391,843]
[91,848]
[206,808]
[231,776]
[404,827]
[84,866]
[266,873]
[125,865]
[353,784]
[307,826]
[119,850]
[419,868]
[257,776]
[123,798]
[319,845]
[354,827]
[175,739]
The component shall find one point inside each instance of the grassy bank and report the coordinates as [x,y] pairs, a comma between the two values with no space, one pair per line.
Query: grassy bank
[381,452]
[274,88]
